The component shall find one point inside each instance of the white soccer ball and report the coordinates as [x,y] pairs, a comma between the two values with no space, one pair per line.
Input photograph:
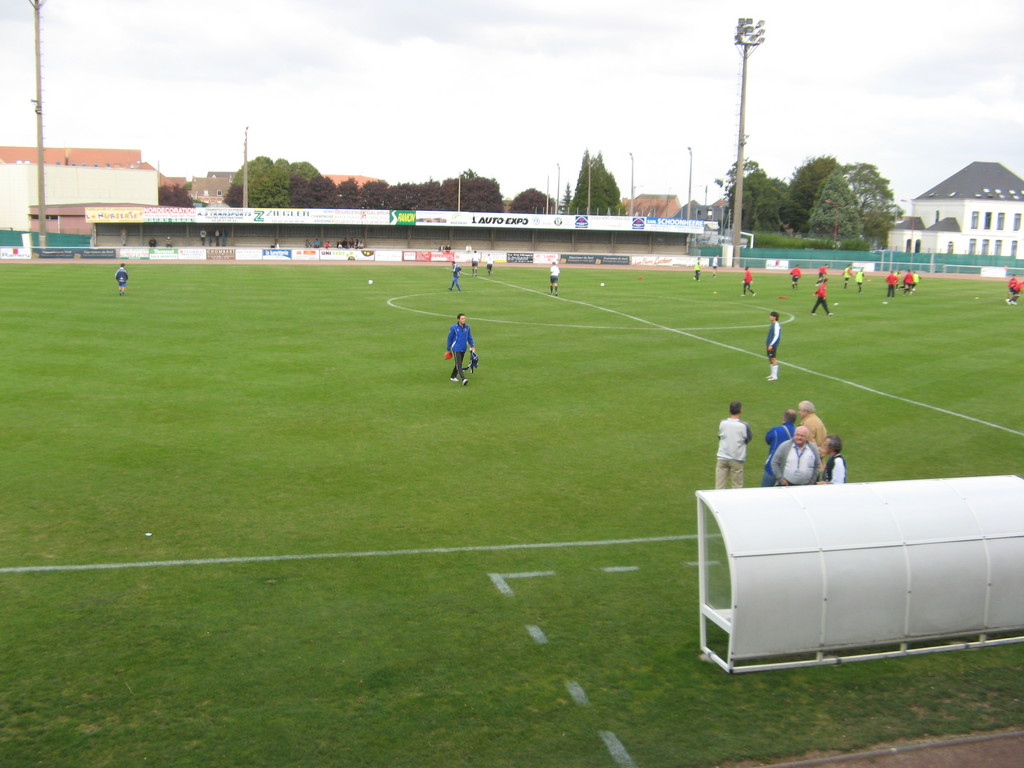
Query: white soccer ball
[371,282]
[885,302]
[602,285]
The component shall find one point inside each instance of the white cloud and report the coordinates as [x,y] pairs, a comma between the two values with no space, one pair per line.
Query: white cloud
[408,90]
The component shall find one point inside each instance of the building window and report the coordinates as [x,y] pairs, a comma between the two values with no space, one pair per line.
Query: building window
[988,219]
[974,220]
[1000,221]
[1013,249]
[972,246]
[949,247]
[999,248]
[984,247]
[1016,222]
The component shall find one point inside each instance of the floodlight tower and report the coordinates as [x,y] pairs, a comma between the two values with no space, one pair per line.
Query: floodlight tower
[748,37]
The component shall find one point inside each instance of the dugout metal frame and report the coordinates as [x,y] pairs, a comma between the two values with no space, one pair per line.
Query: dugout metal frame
[824,574]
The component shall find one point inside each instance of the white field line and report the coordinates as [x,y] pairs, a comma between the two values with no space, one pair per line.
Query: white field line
[499,579]
[621,568]
[340,555]
[616,750]
[577,693]
[836,379]
[537,634]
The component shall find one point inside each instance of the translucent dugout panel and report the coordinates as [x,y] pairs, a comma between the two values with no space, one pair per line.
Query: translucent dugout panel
[822,574]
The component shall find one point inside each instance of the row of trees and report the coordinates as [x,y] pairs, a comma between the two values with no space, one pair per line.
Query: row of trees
[822,197]
[283,184]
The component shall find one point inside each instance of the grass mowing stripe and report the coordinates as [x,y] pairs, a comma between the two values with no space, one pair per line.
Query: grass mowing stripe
[496,577]
[837,379]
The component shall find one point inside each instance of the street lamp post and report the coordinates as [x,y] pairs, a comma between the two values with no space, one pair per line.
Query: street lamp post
[632,187]
[558,188]
[835,227]
[689,187]
[748,37]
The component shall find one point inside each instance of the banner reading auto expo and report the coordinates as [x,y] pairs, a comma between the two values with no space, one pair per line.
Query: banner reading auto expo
[355,217]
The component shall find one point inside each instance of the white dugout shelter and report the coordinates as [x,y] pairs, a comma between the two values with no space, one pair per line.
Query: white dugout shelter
[824,574]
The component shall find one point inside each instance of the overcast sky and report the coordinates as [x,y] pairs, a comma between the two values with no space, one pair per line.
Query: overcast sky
[409,90]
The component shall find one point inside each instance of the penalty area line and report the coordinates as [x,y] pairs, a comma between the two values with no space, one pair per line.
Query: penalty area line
[341,555]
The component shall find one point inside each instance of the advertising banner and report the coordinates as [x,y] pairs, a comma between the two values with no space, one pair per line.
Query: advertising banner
[15,253]
[428,256]
[310,254]
[519,258]
[163,254]
[220,254]
[135,254]
[578,258]
[248,254]
[277,254]
[115,215]
[192,253]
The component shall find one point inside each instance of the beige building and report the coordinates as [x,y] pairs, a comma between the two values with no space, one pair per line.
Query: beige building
[73,177]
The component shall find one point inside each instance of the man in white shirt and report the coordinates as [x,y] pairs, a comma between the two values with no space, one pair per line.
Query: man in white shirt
[733,436]
[797,461]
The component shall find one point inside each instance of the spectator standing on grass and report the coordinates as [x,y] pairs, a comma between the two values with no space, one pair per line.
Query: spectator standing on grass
[821,292]
[809,418]
[121,276]
[553,280]
[456,272]
[834,472]
[460,339]
[772,345]
[777,436]
[733,436]
[748,278]
[797,461]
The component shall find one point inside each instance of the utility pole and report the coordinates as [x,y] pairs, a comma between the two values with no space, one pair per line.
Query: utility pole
[245,170]
[37,6]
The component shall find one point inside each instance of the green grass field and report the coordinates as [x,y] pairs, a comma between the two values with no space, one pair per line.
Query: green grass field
[258,412]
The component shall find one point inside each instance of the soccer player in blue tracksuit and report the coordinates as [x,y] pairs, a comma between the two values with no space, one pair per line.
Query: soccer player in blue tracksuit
[122,279]
[460,338]
[772,345]
[456,271]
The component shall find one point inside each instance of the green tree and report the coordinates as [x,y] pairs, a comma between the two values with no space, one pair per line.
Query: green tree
[566,199]
[531,201]
[805,191]
[470,191]
[763,197]
[875,201]
[597,192]
[271,189]
[835,212]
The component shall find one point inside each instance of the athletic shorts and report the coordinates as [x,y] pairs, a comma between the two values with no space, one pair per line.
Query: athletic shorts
[554,279]
[773,354]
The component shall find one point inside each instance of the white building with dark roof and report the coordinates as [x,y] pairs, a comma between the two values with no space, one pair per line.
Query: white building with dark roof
[978,210]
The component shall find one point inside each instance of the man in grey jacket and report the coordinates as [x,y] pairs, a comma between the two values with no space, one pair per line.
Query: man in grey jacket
[797,461]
